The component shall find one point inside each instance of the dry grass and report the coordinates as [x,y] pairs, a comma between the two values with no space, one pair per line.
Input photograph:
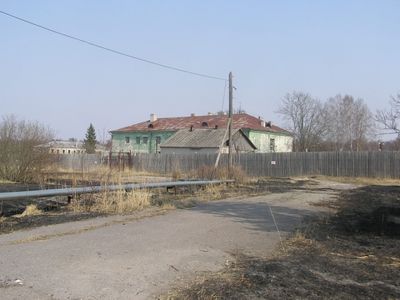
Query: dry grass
[211,192]
[99,175]
[298,239]
[176,174]
[5,181]
[118,202]
[169,205]
[31,210]
[222,173]
[361,180]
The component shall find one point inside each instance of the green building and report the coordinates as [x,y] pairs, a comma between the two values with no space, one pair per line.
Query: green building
[147,136]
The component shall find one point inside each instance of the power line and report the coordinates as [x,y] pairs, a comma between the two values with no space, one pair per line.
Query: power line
[112,50]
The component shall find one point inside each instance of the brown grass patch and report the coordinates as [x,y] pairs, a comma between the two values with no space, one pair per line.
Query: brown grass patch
[95,176]
[118,202]
[211,192]
[360,180]
[176,174]
[220,173]
[31,210]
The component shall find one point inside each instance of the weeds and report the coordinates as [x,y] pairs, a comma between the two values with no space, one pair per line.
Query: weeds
[118,202]
[31,210]
[360,180]
[211,192]
[221,173]
[176,174]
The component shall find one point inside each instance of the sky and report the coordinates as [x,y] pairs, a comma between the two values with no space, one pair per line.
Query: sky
[321,47]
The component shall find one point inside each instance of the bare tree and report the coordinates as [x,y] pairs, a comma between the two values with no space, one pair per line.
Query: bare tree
[363,125]
[20,158]
[390,119]
[305,116]
[349,123]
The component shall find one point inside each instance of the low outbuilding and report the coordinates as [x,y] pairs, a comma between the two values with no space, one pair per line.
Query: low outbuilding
[186,141]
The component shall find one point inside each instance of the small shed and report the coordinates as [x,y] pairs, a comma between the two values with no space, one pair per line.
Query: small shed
[191,140]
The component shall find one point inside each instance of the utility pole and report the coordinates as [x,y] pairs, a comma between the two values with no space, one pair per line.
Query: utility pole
[230,121]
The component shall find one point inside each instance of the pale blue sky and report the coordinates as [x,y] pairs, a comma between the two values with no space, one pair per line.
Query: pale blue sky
[272,47]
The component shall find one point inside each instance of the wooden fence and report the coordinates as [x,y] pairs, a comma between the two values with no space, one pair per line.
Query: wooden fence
[353,164]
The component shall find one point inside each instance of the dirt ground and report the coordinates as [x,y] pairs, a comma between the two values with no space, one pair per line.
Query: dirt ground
[353,253]
[142,255]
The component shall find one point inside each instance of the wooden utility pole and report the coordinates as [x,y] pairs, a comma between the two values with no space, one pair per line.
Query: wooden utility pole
[230,122]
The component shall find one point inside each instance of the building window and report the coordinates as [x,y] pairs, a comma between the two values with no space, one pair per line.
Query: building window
[138,140]
[69,151]
[145,139]
[127,140]
[272,145]
[63,151]
[158,142]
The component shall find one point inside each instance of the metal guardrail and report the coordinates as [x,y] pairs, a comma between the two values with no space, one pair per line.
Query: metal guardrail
[97,189]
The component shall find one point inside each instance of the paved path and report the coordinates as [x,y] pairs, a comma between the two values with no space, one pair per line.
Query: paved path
[122,258]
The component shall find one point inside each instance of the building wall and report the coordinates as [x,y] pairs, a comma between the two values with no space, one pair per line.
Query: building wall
[265,140]
[261,139]
[180,150]
[65,150]
[120,141]
[241,144]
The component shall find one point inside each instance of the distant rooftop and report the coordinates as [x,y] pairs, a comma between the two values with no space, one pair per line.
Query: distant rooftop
[68,144]
[240,121]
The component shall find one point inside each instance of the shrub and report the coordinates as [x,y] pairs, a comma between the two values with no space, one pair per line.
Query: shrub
[20,158]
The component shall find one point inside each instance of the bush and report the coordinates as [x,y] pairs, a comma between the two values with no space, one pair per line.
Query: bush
[20,158]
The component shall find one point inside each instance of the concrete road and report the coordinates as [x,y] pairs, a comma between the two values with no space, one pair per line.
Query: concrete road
[123,258]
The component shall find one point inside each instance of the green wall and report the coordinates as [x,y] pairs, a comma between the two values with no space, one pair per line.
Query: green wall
[119,141]
[262,140]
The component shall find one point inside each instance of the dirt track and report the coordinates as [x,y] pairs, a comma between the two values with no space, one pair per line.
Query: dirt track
[352,253]
[125,257]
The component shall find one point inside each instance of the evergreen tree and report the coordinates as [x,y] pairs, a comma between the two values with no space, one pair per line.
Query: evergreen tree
[90,140]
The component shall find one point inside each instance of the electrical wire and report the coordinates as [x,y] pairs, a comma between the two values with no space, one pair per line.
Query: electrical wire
[112,50]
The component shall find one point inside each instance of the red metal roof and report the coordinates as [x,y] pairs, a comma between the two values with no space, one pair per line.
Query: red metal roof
[240,121]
